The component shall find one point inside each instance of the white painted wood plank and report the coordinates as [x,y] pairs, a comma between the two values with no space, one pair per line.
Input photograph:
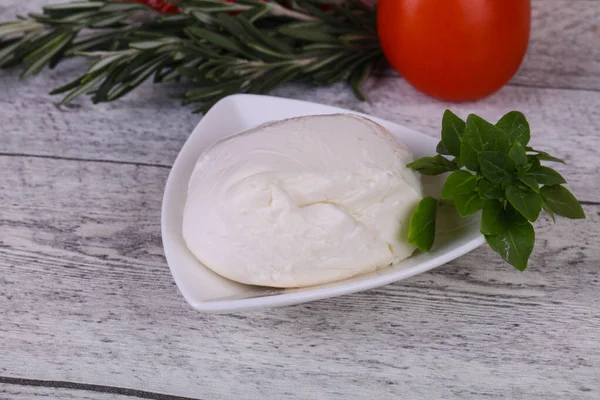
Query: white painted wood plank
[28,392]
[86,297]
[565,123]
[15,392]
[564,49]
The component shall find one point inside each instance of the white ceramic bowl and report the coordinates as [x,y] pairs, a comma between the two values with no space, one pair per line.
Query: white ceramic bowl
[209,292]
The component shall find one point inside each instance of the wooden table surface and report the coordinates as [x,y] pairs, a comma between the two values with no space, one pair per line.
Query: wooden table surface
[88,308]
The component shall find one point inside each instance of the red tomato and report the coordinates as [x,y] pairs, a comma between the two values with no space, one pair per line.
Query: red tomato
[455,50]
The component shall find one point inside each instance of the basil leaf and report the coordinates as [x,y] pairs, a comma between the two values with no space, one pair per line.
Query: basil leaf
[479,136]
[468,203]
[530,182]
[492,218]
[441,149]
[542,155]
[493,170]
[546,176]
[452,130]
[514,217]
[459,183]
[533,161]
[488,190]
[515,125]
[518,155]
[514,244]
[547,157]
[562,202]
[549,211]
[527,202]
[496,167]
[433,165]
[421,231]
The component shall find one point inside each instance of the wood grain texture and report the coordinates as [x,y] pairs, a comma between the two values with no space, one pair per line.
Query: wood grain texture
[564,49]
[87,298]
[564,122]
[20,389]
[88,309]
[18,392]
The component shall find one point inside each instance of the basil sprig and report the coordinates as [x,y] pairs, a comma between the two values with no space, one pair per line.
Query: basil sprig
[493,169]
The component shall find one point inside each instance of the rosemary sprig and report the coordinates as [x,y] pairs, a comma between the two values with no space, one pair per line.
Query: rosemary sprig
[223,48]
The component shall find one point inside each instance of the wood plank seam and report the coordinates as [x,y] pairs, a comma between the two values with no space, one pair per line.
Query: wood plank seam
[107,161]
[141,394]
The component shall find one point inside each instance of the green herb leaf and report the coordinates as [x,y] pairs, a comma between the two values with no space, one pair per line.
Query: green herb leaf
[506,183]
[441,149]
[228,43]
[309,33]
[518,155]
[530,182]
[497,167]
[358,79]
[452,130]
[514,244]
[421,232]
[480,136]
[527,202]
[433,165]
[547,157]
[542,155]
[251,45]
[562,202]
[459,183]
[468,204]
[549,211]
[532,162]
[513,216]
[488,190]
[492,218]
[546,176]
[515,125]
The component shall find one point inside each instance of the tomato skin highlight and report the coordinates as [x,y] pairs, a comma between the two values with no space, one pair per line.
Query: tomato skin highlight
[457,50]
